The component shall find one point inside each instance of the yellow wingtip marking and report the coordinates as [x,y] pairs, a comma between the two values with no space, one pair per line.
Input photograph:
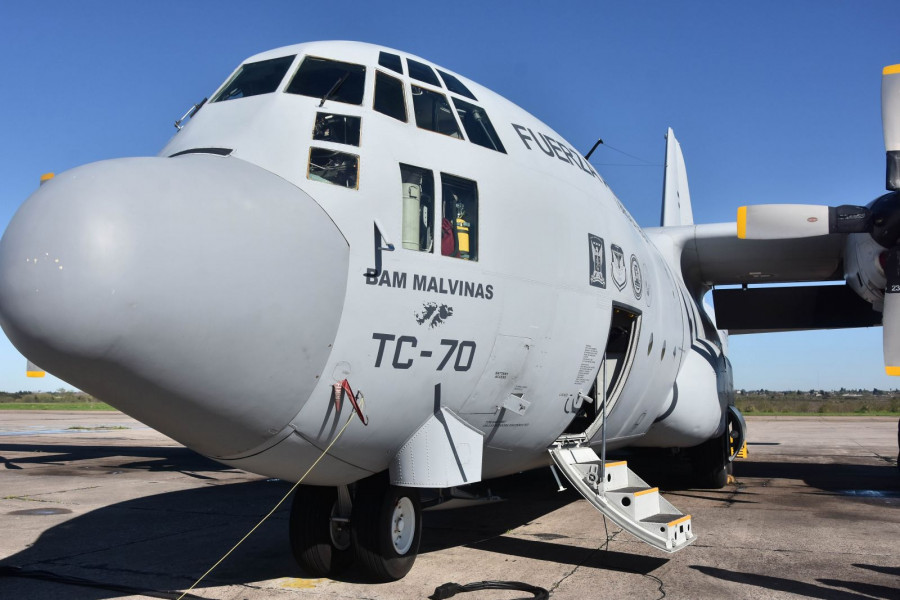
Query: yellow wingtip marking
[742,223]
[891,70]
[35,373]
[895,371]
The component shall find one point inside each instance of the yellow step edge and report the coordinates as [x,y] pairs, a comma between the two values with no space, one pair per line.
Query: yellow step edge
[616,464]
[643,492]
[679,521]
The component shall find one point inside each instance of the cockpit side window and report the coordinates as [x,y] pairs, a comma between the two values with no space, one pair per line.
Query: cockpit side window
[417,186]
[331,166]
[340,129]
[389,98]
[422,72]
[459,217]
[456,86]
[478,127]
[329,80]
[433,112]
[253,79]
[390,61]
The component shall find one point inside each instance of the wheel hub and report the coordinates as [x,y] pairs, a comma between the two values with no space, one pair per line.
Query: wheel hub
[401,534]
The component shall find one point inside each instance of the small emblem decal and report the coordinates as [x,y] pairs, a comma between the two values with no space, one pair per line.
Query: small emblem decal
[637,283]
[812,219]
[433,314]
[597,259]
[617,264]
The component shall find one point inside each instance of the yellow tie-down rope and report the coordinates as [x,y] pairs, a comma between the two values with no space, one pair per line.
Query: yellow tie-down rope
[362,399]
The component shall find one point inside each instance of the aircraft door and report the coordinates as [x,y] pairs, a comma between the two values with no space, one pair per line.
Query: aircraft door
[624,330]
[500,377]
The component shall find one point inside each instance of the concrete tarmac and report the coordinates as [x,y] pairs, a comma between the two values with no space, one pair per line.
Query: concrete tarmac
[101,500]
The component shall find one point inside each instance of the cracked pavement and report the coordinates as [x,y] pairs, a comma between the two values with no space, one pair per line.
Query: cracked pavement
[814,512]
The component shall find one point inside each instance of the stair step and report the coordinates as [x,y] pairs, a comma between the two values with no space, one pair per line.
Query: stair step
[623,496]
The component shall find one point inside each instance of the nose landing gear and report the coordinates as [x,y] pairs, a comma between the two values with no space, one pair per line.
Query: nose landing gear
[383,532]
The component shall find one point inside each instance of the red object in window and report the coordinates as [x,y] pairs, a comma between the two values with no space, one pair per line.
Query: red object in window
[448,246]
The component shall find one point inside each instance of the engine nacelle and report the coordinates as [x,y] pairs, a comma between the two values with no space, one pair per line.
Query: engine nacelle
[863,270]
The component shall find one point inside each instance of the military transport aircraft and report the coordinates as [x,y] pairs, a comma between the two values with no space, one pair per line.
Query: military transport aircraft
[341,216]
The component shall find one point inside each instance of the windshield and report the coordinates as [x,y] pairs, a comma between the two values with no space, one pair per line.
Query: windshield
[329,80]
[253,79]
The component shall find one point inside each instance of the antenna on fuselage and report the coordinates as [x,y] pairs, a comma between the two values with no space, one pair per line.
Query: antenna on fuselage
[594,147]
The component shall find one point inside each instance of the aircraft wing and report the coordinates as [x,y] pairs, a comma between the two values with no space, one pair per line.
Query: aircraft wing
[713,255]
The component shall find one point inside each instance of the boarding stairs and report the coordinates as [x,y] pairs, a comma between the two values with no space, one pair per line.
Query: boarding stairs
[618,493]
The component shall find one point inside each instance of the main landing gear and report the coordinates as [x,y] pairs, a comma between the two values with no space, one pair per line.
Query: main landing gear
[376,523]
[712,461]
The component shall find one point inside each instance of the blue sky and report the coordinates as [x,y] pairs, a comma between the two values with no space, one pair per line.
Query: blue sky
[772,101]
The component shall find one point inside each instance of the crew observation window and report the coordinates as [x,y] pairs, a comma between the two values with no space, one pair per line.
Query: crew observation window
[478,127]
[433,112]
[253,79]
[340,129]
[417,187]
[329,80]
[459,217]
[422,72]
[331,166]
[455,85]
[390,61]
[389,98]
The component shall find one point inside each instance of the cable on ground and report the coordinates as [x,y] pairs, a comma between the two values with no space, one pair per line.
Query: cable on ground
[280,502]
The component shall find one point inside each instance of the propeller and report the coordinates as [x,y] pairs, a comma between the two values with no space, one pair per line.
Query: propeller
[881,219]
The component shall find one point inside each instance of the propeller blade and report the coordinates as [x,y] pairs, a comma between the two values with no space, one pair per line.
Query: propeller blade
[780,221]
[890,122]
[891,318]
[789,221]
[32,370]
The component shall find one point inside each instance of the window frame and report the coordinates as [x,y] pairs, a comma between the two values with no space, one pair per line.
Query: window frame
[365,69]
[309,164]
[402,95]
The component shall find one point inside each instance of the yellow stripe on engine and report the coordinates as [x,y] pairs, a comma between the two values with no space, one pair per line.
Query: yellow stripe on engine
[891,70]
[742,223]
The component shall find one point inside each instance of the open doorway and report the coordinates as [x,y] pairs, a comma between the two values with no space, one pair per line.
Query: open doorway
[624,330]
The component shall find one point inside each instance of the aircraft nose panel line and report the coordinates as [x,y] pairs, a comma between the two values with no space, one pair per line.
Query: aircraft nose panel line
[156,256]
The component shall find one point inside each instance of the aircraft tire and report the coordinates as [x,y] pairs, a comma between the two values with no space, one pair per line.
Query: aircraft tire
[710,463]
[319,545]
[387,528]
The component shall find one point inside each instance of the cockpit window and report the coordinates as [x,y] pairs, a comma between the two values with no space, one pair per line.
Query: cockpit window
[390,61]
[329,80]
[459,222]
[340,129]
[253,79]
[331,166]
[389,98]
[433,112]
[417,186]
[477,125]
[456,86]
[422,72]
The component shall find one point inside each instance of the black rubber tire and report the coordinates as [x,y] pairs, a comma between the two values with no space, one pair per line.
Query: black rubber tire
[710,464]
[373,512]
[310,532]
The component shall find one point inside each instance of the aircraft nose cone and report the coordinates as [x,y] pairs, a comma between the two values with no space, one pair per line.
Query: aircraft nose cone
[200,294]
